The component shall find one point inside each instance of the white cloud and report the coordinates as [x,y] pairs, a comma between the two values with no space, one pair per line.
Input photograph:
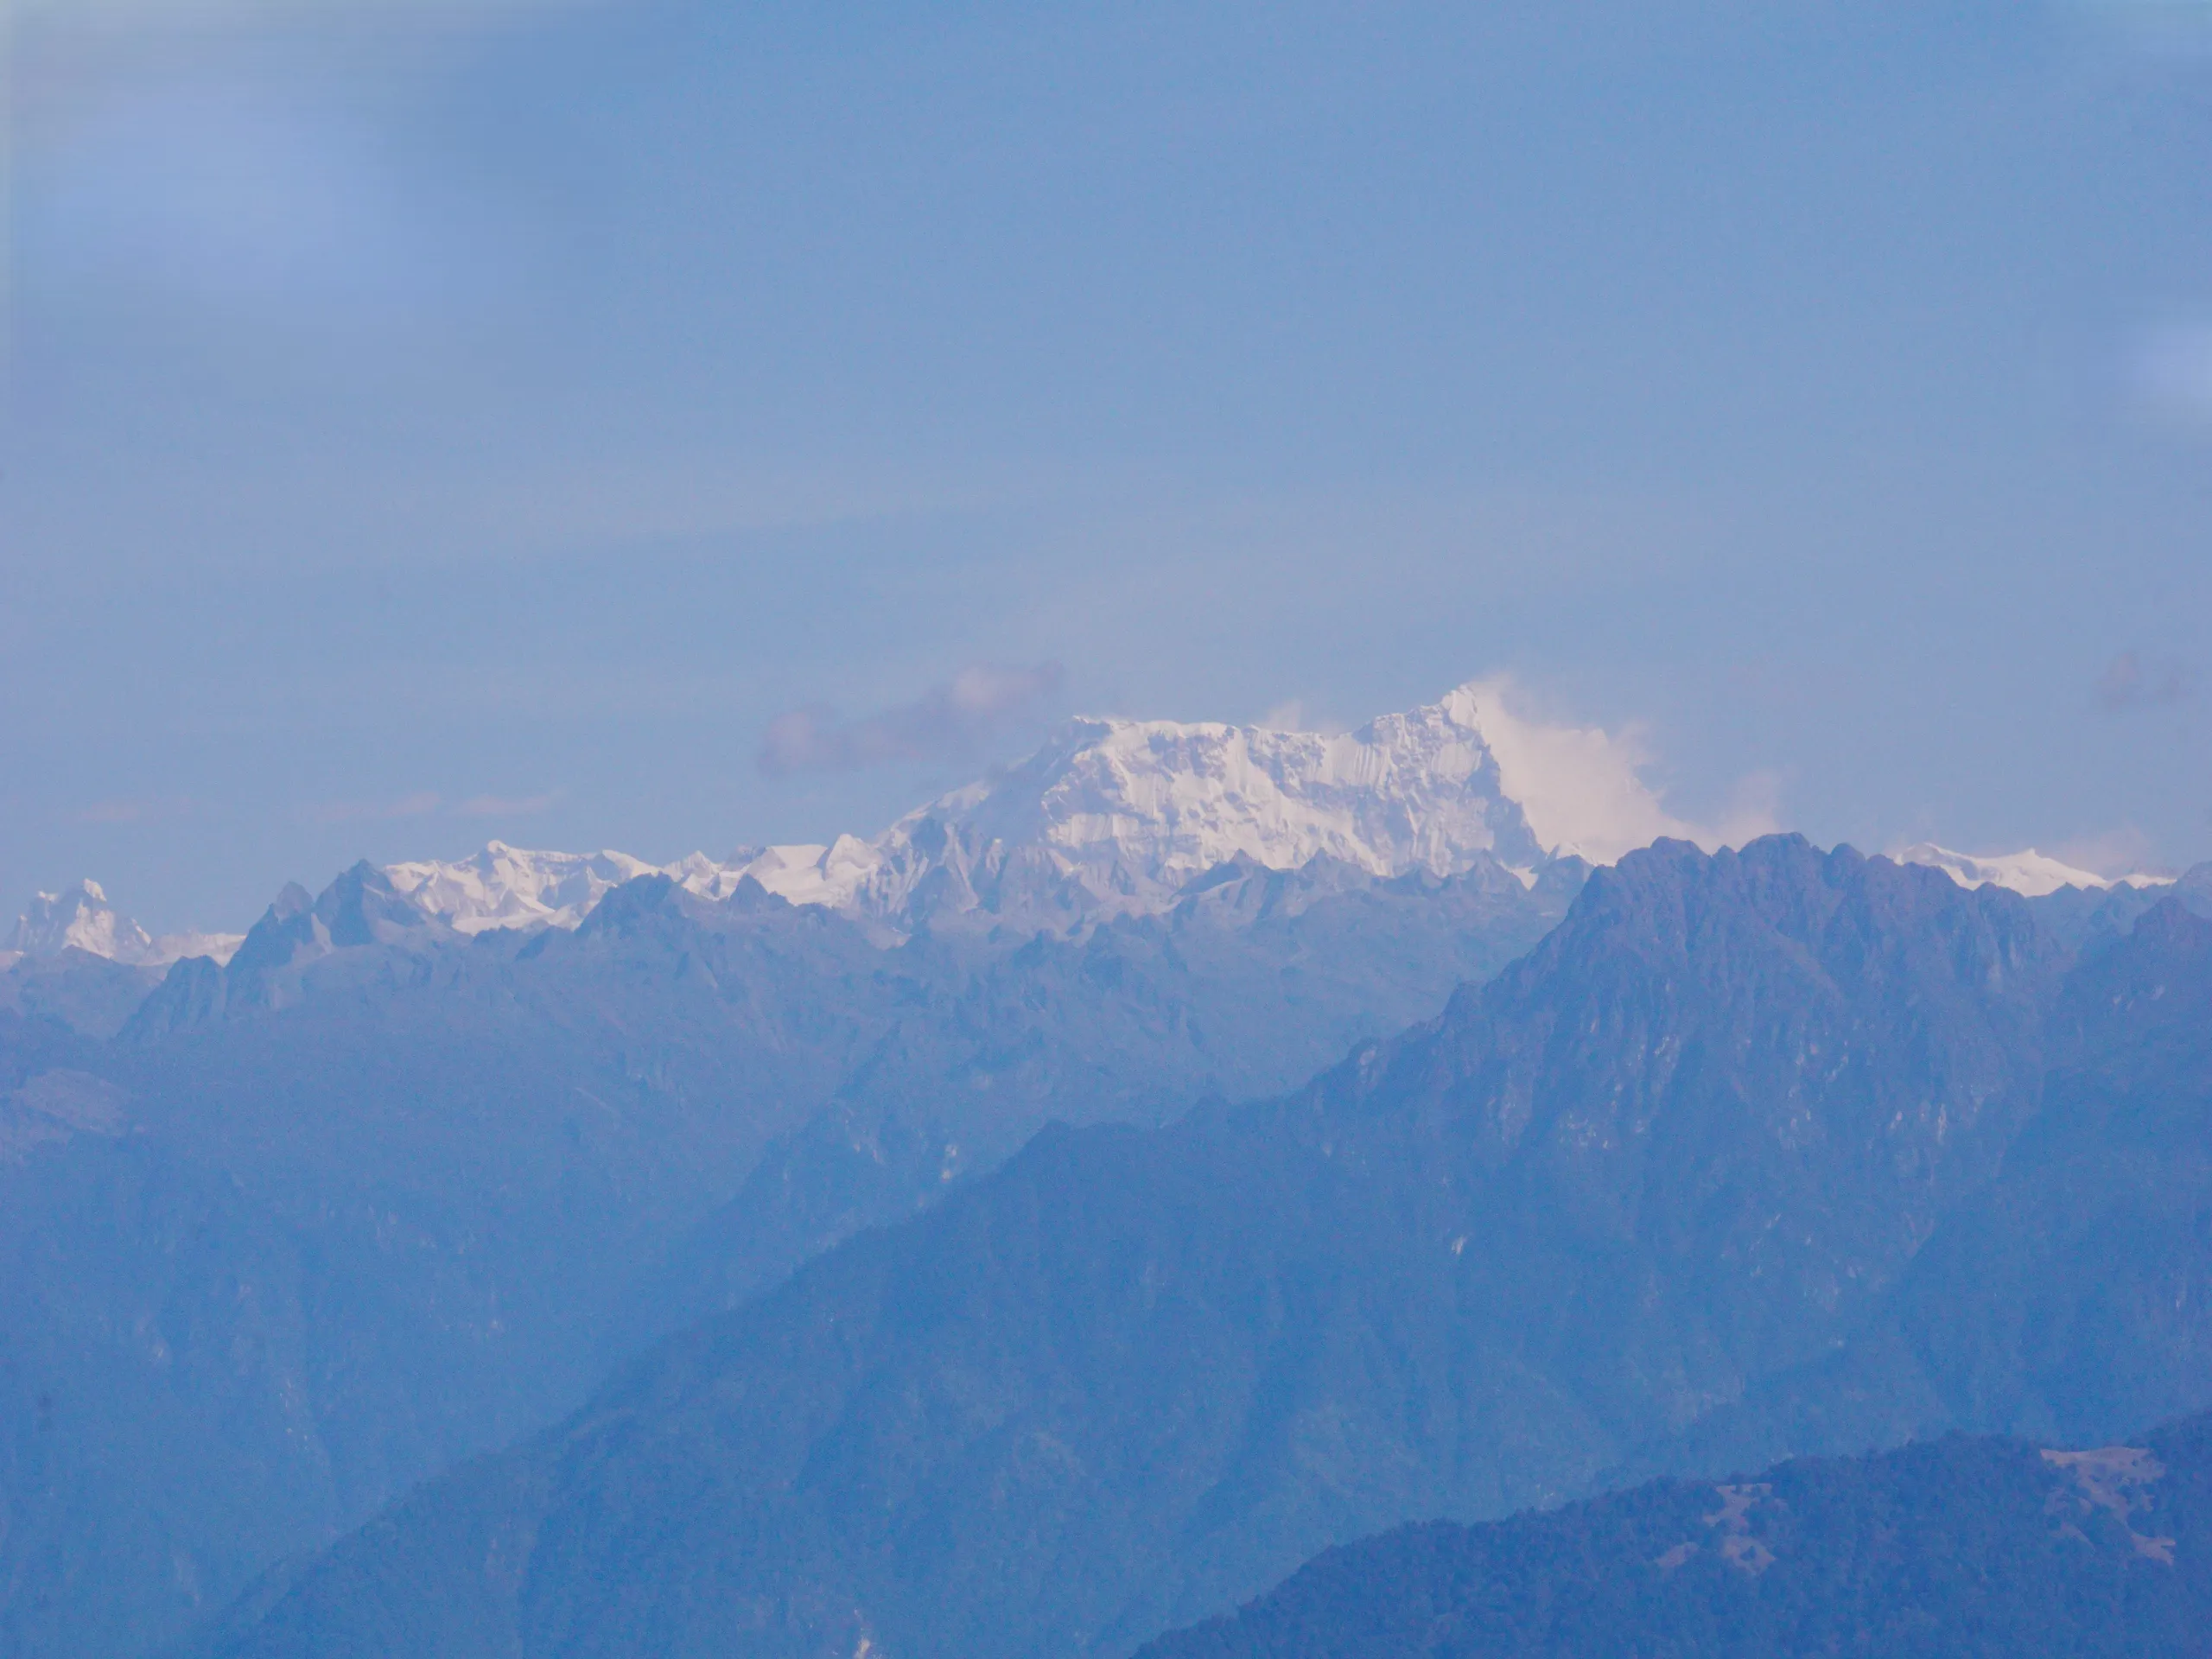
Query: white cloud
[418,806]
[1582,788]
[946,722]
[507,806]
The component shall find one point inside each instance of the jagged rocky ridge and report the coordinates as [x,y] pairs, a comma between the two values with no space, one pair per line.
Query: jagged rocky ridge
[1697,1144]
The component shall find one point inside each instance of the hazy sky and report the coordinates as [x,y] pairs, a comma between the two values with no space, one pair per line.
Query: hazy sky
[665,426]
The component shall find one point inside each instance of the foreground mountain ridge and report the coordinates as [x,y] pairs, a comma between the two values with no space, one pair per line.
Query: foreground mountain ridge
[1958,1548]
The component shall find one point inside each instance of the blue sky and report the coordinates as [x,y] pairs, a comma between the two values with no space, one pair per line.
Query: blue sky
[429,424]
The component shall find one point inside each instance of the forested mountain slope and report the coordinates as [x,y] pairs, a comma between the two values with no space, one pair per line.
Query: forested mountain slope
[1958,1548]
[1685,1147]
[2071,1298]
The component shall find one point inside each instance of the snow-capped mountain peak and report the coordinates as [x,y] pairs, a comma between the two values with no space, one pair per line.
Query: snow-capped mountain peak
[514,886]
[1119,815]
[80,918]
[1116,817]
[2031,874]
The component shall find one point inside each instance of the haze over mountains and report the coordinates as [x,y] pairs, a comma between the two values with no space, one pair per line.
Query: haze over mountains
[442,1171]
[1113,818]
[408,1172]
[662,992]
[1671,1164]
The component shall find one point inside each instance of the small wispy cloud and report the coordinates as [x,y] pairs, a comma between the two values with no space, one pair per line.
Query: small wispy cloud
[2132,681]
[418,806]
[947,721]
[2179,28]
[2124,851]
[2172,373]
[159,810]
[1293,715]
[506,806]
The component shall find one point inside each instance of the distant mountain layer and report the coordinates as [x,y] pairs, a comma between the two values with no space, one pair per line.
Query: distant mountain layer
[2030,873]
[1964,1548]
[80,919]
[1110,817]
[1757,1149]
[1116,817]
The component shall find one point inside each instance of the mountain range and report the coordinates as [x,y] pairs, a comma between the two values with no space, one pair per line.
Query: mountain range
[1009,1173]
[1111,818]
[383,1189]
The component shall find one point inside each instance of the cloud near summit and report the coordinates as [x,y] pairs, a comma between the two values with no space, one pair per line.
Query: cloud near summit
[1582,788]
[947,721]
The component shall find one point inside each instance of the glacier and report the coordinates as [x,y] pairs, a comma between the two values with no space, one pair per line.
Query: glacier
[2030,874]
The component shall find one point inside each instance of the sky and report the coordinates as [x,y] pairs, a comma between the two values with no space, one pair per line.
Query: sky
[666,426]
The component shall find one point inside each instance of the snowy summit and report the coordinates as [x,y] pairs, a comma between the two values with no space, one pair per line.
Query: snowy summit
[1116,817]
[80,919]
[2030,873]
